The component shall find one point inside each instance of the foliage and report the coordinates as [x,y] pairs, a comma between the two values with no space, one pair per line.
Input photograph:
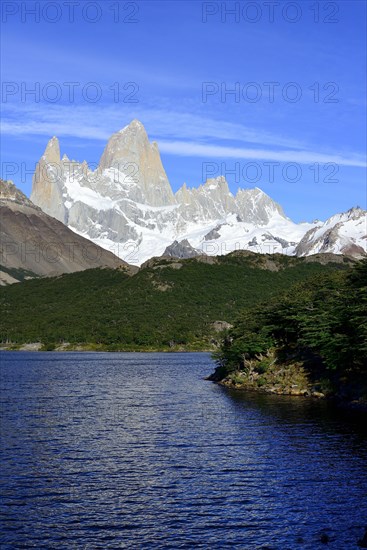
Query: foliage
[321,321]
[166,305]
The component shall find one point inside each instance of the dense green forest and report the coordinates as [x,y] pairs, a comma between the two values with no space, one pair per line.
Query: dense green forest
[168,304]
[318,326]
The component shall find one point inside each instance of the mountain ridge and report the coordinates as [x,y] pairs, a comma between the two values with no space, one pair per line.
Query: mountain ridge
[34,244]
[127,206]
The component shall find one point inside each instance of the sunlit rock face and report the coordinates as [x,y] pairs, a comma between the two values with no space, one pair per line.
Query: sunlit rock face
[131,152]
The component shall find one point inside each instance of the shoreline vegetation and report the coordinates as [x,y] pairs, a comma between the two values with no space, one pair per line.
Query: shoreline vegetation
[89,347]
[292,380]
[311,341]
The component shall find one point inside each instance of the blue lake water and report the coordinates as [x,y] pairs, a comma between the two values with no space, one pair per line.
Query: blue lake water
[133,451]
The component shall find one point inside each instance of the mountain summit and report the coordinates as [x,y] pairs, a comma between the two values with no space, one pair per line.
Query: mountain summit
[129,151]
[127,206]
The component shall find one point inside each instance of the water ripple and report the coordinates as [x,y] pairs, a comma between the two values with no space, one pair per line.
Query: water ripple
[138,451]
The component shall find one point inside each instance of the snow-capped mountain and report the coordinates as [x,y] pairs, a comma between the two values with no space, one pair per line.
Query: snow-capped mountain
[127,206]
[342,234]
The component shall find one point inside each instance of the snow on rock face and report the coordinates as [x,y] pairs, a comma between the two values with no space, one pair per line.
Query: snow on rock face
[127,206]
[344,233]
[256,207]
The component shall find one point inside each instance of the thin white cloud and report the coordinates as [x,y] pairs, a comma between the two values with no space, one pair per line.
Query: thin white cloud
[192,149]
[100,121]
[49,129]
[177,133]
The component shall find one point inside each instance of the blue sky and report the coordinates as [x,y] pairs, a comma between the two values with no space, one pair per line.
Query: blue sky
[298,78]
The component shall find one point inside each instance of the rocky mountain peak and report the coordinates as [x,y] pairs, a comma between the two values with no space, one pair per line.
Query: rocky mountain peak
[182,249]
[52,151]
[9,192]
[256,206]
[217,184]
[126,145]
[134,126]
[130,151]
[355,212]
[46,183]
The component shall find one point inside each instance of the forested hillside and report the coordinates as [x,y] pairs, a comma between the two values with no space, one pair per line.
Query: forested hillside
[168,304]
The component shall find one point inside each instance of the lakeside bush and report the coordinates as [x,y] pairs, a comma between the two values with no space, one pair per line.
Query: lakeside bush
[320,323]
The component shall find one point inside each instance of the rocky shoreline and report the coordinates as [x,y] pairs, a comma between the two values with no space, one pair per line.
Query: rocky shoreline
[288,380]
[358,405]
[293,391]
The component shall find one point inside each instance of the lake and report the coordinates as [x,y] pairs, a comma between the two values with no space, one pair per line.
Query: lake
[137,450]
